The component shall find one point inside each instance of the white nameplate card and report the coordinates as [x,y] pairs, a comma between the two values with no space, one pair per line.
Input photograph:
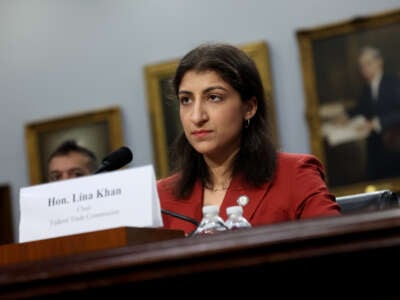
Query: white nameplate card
[126,197]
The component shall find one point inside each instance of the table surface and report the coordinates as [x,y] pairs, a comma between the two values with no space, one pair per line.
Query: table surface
[328,252]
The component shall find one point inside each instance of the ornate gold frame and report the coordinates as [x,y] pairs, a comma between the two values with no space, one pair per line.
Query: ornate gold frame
[156,73]
[356,31]
[103,127]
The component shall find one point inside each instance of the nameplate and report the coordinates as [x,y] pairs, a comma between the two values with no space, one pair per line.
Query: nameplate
[126,197]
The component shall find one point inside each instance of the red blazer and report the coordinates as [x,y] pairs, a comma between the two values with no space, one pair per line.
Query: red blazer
[297,191]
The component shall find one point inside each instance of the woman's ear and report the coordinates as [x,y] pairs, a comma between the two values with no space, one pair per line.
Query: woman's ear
[250,108]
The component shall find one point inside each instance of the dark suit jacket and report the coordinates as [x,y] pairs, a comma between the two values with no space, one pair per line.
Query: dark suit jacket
[382,147]
[386,107]
[298,191]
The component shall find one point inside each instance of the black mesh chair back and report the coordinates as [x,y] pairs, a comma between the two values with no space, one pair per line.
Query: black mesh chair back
[369,201]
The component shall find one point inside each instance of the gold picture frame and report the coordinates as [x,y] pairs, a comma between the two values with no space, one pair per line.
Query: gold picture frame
[333,84]
[99,130]
[165,118]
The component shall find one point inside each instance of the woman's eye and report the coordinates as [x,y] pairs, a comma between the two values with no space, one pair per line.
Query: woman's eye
[184,100]
[215,98]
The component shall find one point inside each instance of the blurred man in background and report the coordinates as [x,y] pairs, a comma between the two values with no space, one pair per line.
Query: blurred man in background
[69,160]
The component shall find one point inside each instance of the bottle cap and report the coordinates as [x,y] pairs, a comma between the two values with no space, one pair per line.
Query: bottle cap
[234,209]
[210,209]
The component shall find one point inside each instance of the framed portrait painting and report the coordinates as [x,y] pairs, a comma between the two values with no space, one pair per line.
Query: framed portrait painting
[351,72]
[98,130]
[164,113]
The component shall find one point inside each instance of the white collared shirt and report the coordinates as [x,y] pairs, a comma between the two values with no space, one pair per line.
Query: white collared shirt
[375,86]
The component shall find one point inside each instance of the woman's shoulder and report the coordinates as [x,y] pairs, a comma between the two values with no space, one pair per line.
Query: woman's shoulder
[290,158]
[296,165]
[167,182]
[282,155]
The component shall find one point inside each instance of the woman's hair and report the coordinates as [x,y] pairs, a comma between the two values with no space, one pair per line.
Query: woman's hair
[256,158]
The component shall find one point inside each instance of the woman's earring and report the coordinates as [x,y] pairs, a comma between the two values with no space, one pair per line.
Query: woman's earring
[247,123]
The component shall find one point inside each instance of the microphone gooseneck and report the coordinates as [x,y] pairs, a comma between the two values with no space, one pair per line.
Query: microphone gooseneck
[179,216]
[115,160]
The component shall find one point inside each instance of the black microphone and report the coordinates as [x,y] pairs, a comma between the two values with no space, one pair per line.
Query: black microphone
[179,216]
[115,160]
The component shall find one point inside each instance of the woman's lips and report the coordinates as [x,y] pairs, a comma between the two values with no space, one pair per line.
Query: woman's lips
[201,133]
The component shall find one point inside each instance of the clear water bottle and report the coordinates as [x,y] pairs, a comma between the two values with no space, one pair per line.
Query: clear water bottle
[211,223]
[235,218]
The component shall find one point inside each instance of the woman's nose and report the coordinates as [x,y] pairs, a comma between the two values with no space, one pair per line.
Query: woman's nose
[199,113]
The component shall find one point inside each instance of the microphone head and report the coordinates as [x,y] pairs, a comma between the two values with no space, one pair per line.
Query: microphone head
[116,159]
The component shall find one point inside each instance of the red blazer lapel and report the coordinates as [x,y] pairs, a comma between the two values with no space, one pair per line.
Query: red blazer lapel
[238,188]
